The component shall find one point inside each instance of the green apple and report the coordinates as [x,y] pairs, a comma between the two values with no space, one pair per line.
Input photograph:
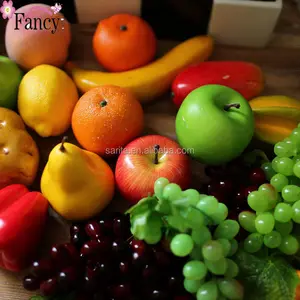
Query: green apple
[10,78]
[215,124]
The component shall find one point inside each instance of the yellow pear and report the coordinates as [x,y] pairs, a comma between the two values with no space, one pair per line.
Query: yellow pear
[77,183]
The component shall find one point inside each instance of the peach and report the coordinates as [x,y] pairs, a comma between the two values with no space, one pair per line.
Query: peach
[36,35]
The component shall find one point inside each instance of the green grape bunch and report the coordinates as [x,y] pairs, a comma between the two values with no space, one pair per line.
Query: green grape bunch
[276,206]
[198,229]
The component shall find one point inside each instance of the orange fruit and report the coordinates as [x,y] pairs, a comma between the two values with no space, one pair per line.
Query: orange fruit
[124,42]
[107,118]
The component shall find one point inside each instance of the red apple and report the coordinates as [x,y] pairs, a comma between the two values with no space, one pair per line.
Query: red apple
[146,159]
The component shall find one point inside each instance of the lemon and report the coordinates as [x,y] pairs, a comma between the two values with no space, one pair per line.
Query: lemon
[46,100]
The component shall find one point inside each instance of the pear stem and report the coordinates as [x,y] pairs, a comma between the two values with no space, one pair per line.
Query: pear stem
[228,106]
[62,148]
[156,149]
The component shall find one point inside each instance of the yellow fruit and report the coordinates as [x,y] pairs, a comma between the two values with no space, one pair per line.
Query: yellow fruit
[47,97]
[275,117]
[152,80]
[272,129]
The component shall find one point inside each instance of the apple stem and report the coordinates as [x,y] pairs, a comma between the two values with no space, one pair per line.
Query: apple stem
[156,149]
[228,106]
[62,148]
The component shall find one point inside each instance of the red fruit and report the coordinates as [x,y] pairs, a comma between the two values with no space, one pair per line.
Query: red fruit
[49,287]
[257,176]
[250,189]
[246,78]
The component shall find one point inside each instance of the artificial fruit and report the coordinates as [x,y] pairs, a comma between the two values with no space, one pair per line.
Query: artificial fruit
[152,80]
[47,97]
[244,77]
[23,215]
[216,122]
[10,78]
[275,117]
[146,159]
[78,184]
[19,155]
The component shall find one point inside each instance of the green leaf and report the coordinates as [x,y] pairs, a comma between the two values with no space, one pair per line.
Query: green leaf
[177,222]
[163,206]
[142,206]
[266,278]
[139,224]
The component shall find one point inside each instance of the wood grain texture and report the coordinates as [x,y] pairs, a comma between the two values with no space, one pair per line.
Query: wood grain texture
[280,63]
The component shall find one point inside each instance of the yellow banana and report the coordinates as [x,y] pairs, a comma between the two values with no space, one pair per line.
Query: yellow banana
[272,129]
[275,117]
[152,80]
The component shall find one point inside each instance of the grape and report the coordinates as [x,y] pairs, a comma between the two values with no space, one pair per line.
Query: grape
[208,205]
[172,191]
[232,269]
[283,212]
[217,267]
[296,212]
[279,181]
[295,136]
[284,228]
[257,201]
[153,237]
[269,192]
[253,242]
[267,168]
[220,214]
[159,186]
[273,239]
[228,229]
[226,245]
[208,291]
[274,164]
[201,235]
[231,288]
[291,193]
[284,149]
[192,195]
[234,247]
[264,223]
[296,169]
[289,245]
[194,270]
[296,159]
[284,165]
[192,286]
[182,245]
[193,216]
[247,221]
[212,250]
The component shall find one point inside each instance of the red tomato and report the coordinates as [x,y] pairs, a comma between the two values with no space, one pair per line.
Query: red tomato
[244,77]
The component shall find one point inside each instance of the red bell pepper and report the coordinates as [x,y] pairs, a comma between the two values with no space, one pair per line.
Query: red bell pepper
[244,77]
[23,216]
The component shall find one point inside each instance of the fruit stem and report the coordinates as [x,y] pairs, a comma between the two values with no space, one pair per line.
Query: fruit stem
[123,27]
[156,149]
[62,148]
[103,103]
[228,106]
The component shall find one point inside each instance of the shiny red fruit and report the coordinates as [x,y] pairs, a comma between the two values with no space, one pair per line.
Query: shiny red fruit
[250,189]
[93,230]
[49,287]
[257,176]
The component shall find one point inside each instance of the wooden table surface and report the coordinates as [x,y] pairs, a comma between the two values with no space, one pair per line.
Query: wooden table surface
[280,62]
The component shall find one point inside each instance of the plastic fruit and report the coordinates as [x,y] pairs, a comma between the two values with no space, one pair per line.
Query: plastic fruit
[275,117]
[21,211]
[77,183]
[19,156]
[217,122]
[106,119]
[152,80]
[30,48]
[146,159]
[10,78]
[47,97]
[244,77]
[123,42]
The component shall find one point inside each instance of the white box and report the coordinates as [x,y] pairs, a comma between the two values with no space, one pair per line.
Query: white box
[243,22]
